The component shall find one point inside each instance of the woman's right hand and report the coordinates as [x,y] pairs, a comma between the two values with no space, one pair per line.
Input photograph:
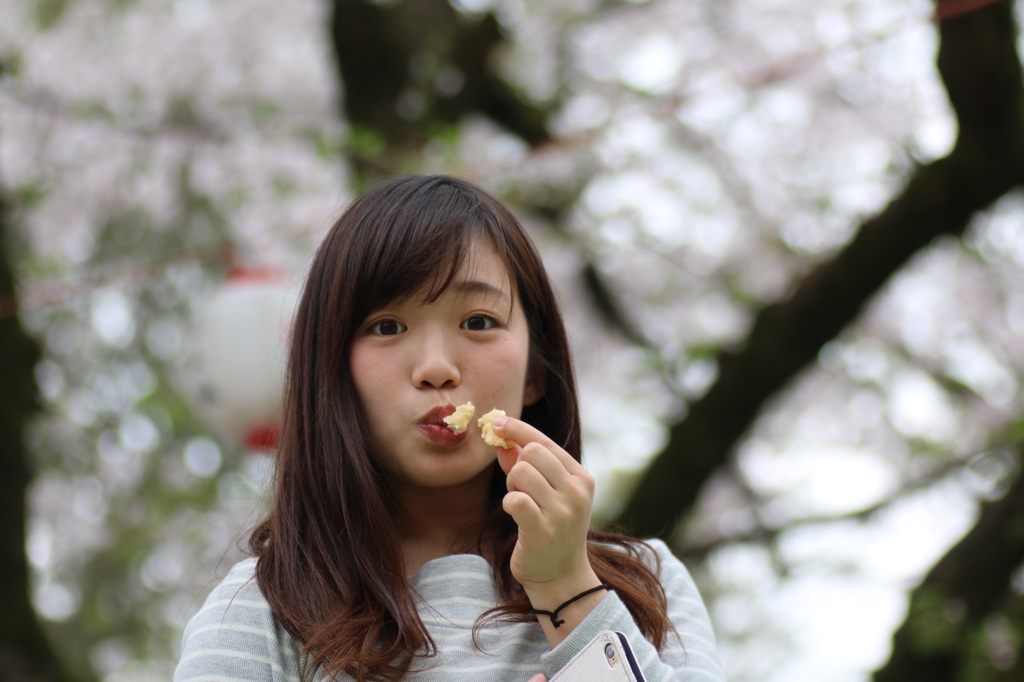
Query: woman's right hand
[550,496]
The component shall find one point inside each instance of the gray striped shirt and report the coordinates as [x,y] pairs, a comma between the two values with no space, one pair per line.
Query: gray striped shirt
[235,637]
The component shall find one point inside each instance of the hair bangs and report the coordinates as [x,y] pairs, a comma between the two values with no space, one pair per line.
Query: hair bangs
[420,242]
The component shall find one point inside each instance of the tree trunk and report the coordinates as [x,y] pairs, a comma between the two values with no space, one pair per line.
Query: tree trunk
[410,69]
[25,652]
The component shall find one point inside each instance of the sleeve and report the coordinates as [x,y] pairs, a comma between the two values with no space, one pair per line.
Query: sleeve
[693,659]
[235,637]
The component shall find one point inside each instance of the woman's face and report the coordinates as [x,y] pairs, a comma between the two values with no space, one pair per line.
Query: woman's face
[414,362]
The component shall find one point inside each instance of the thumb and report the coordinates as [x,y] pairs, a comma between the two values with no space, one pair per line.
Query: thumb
[539,677]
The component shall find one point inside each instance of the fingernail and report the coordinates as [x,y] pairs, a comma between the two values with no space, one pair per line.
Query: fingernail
[499,422]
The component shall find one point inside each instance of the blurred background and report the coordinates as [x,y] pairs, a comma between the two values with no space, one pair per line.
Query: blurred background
[787,235]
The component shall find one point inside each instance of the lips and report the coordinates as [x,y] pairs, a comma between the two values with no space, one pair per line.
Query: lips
[437,432]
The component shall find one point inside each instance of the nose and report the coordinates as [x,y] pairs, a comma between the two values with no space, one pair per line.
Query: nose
[435,365]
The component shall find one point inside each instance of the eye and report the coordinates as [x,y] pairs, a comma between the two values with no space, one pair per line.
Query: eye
[387,328]
[479,323]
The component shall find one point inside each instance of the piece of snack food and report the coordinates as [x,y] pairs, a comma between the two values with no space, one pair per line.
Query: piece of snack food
[458,420]
[488,434]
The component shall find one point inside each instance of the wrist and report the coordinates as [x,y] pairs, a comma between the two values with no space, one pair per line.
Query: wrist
[548,595]
[554,614]
[561,605]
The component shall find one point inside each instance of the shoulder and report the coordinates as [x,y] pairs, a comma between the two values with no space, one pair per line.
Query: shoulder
[692,650]
[674,576]
[687,611]
[235,633]
[679,587]
[233,603]
[237,596]
[663,557]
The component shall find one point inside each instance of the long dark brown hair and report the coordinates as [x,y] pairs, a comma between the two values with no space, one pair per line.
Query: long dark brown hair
[330,562]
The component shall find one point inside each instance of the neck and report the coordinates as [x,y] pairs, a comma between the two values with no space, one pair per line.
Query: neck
[437,522]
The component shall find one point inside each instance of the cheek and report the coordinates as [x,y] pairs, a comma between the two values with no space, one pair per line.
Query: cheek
[506,364]
[368,375]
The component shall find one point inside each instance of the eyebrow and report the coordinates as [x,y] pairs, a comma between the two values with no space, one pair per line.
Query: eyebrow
[466,287]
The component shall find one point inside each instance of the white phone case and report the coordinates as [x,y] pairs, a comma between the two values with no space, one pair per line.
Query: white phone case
[606,658]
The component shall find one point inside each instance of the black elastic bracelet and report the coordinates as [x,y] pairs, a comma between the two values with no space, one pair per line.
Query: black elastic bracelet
[553,614]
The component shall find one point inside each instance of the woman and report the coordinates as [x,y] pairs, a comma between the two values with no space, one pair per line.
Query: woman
[396,548]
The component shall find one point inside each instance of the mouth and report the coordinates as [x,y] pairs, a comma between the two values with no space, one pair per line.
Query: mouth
[436,431]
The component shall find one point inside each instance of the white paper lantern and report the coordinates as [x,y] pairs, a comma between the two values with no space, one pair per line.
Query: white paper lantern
[241,339]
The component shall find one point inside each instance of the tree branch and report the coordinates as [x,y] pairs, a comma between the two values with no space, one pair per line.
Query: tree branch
[960,591]
[767,534]
[980,68]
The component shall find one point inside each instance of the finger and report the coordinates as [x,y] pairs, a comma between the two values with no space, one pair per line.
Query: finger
[522,433]
[522,508]
[524,477]
[569,501]
[553,468]
[539,677]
